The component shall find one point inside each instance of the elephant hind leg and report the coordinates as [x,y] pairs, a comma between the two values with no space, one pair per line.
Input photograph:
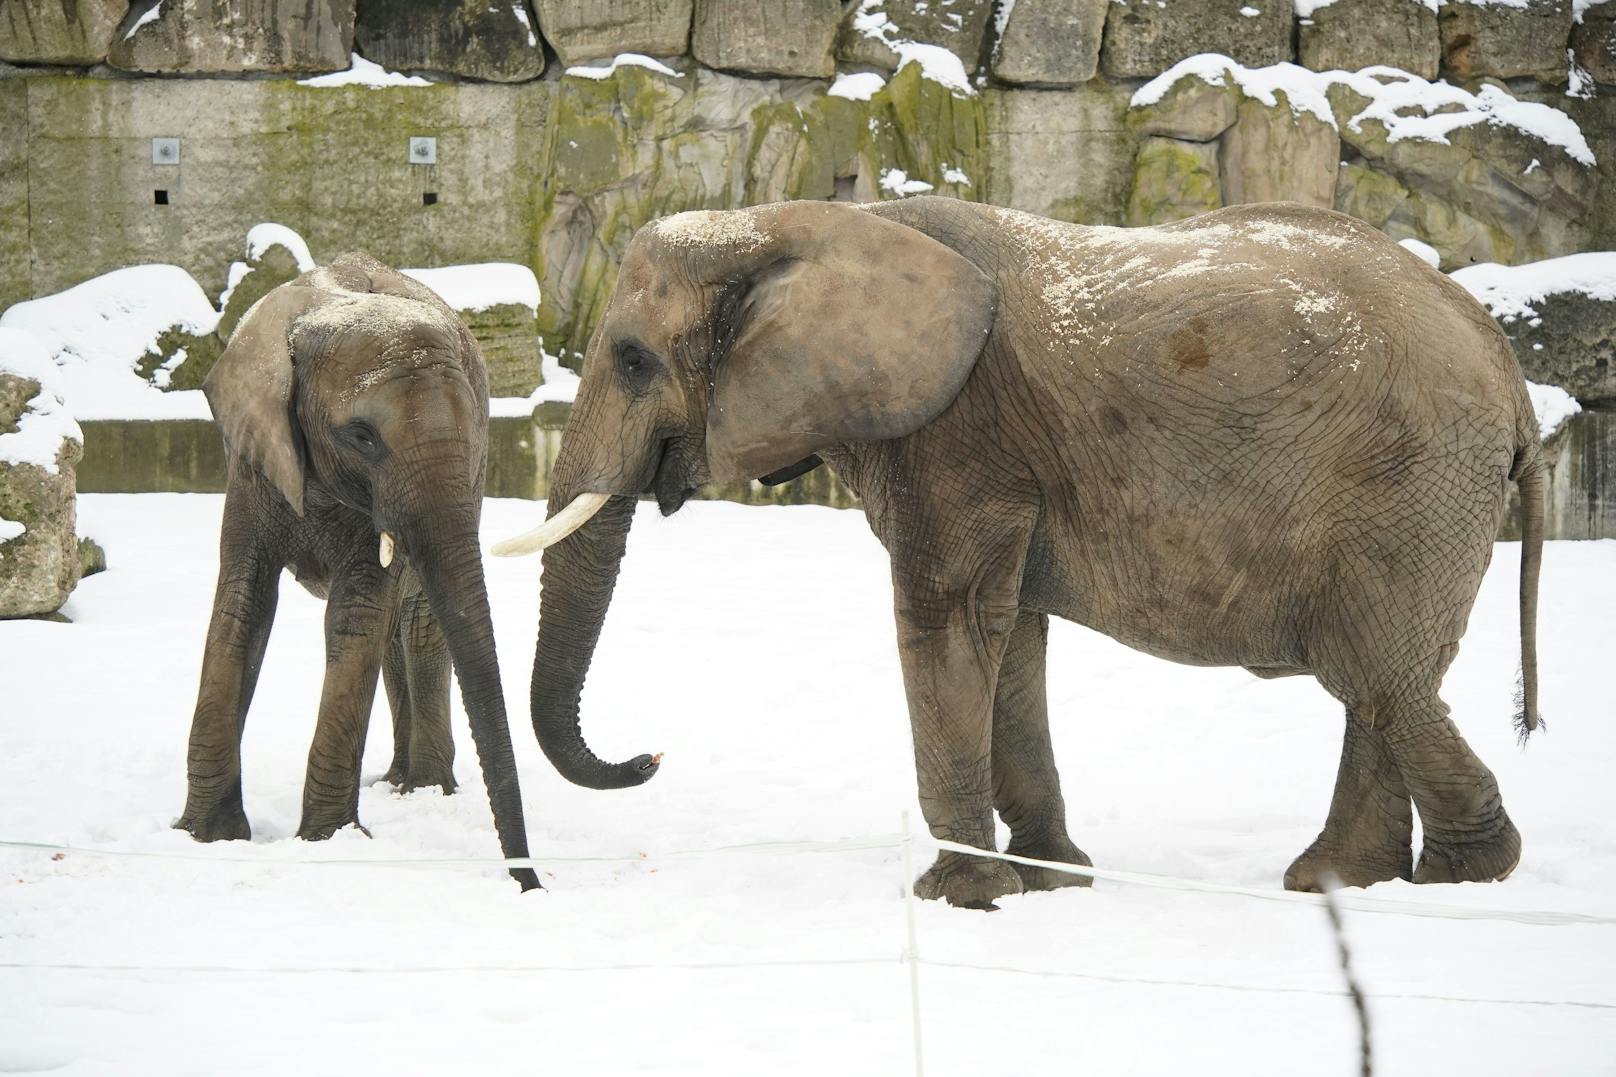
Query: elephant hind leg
[1368,835]
[1026,785]
[1468,835]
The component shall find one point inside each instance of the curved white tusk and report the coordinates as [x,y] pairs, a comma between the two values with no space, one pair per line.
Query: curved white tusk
[575,515]
[385,553]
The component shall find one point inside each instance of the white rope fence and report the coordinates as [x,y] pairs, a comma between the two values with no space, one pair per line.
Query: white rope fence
[910,954]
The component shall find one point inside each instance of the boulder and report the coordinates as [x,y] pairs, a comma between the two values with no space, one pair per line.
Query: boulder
[1349,35]
[1050,42]
[1146,37]
[476,39]
[499,302]
[582,30]
[233,36]
[1173,179]
[1561,316]
[1066,154]
[1593,42]
[1371,196]
[872,28]
[77,32]
[39,446]
[1277,154]
[769,37]
[1192,109]
[1504,41]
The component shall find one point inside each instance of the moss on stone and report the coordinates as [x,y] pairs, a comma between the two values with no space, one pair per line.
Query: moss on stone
[1173,179]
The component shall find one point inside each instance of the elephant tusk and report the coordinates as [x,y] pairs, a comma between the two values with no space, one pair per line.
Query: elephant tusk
[385,553]
[575,515]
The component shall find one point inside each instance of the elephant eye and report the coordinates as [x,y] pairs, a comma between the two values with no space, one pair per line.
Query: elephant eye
[637,366]
[362,436]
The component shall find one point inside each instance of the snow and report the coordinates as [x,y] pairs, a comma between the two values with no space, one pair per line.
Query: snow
[1580,8]
[10,529]
[1306,8]
[519,9]
[1250,12]
[627,59]
[779,703]
[150,15]
[954,175]
[898,182]
[1408,106]
[44,423]
[479,286]
[1553,406]
[1513,292]
[363,72]
[97,332]
[1425,252]
[860,86]
[709,227]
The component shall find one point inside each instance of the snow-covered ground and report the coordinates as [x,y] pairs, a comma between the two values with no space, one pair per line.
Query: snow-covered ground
[755,647]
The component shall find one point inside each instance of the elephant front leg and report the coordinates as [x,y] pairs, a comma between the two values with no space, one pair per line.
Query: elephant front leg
[360,619]
[950,649]
[243,611]
[1026,785]
[1368,835]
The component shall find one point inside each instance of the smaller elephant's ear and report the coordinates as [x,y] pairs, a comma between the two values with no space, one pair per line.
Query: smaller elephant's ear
[250,391]
[847,327]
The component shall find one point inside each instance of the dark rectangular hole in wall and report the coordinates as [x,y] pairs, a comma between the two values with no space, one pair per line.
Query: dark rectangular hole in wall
[159,198]
[429,198]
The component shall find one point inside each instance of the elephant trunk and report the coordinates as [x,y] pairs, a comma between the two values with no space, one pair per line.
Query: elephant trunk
[580,573]
[448,559]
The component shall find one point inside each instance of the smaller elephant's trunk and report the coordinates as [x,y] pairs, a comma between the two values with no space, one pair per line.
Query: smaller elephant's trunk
[579,577]
[448,559]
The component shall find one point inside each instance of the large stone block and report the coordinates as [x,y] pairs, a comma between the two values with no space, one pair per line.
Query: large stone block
[1593,42]
[1349,35]
[1146,37]
[232,36]
[872,28]
[39,446]
[470,38]
[1276,154]
[1173,180]
[1192,109]
[1505,41]
[582,30]
[75,32]
[1050,42]
[772,37]
[1067,154]
[16,275]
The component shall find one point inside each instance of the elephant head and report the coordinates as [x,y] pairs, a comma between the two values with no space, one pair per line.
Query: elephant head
[356,392]
[735,344]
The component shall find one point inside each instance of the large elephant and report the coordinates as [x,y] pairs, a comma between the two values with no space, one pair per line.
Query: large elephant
[1267,437]
[354,407]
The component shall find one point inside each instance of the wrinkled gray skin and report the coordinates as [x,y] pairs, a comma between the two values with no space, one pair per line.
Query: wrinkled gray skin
[354,402]
[1266,437]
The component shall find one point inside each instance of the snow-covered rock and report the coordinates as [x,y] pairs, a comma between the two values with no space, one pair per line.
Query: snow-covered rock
[874,32]
[581,30]
[115,334]
[1561,316]
[39,446]
[499,302]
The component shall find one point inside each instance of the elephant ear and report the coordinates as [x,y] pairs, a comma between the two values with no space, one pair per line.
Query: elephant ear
[843,326]
[249,390]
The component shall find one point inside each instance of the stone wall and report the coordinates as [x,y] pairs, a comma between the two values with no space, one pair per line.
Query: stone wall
[1027,105]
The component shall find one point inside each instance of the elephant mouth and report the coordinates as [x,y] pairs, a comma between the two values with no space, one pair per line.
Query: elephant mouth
[673,482]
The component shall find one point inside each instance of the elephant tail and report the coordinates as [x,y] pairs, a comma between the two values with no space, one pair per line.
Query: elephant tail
[1529,480]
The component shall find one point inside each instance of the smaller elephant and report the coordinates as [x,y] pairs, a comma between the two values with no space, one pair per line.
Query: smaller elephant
[354,408]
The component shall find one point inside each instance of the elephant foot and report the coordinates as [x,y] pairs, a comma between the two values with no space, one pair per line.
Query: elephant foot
[1044,878]
[316,830]
[1490,859]
[1325,861]
[224,822]
[408,779]
[969,882]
